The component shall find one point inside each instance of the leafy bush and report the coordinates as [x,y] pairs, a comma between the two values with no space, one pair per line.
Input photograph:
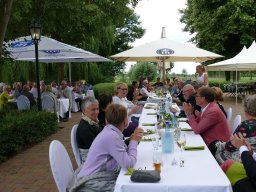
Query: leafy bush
[21,129]
[107,88]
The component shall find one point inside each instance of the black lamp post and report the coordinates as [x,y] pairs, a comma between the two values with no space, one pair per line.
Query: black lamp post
[35,30]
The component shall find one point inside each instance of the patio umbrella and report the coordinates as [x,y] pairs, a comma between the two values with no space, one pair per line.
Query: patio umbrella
[164,50]
[50,51]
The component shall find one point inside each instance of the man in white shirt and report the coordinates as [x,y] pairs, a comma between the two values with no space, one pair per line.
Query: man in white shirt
[143,90]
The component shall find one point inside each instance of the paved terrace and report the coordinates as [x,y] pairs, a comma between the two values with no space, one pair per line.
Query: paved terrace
[30,170]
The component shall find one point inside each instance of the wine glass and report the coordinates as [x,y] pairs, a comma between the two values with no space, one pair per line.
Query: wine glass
[181,142]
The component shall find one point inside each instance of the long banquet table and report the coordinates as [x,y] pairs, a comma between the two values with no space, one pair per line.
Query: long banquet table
[201,173]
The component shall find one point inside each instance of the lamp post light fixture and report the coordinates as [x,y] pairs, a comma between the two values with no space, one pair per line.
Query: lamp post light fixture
[35,30]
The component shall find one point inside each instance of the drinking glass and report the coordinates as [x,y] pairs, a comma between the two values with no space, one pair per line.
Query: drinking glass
[157,160]
[181,142]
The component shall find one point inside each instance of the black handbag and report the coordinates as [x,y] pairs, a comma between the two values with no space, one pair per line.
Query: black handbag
[145,176]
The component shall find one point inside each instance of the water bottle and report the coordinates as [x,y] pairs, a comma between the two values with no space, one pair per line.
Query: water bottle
[168,103]
[167,139]
[174,121]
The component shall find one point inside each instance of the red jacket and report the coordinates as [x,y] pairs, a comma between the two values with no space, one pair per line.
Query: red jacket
[212,125]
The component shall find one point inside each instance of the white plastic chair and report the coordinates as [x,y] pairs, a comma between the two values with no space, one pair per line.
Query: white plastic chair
[229,114]
[61,166]
[23,102]
[75,148]
[237,121]
[48,104]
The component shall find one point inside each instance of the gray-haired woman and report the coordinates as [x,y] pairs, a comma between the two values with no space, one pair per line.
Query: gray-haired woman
[88,127]
[247,128]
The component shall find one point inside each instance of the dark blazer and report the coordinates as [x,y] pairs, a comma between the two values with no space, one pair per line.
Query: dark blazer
[247,184]
[85,134]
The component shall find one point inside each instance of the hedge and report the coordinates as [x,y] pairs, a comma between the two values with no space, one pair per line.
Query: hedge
[22,129]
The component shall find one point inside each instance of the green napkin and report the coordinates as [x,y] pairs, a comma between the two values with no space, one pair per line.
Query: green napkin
[193,148]
[151,113]
[186,129]
[181,120]
[148,132]
[146,140]
[148,124]
[129,171]
[150,107]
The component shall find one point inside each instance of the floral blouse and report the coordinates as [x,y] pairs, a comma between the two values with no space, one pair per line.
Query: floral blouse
[247,128]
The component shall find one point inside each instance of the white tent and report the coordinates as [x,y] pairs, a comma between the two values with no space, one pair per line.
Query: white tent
[243,61]
[50,51]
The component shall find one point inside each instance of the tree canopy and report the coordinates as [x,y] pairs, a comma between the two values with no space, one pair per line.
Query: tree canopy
[104,27]
[219,25]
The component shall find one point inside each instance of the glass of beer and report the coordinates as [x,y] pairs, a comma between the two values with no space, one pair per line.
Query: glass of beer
[157,160]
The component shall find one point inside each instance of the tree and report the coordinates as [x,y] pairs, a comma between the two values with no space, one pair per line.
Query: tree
[5,13]
[221,26]
[143,69]
[99,26]
[184,72]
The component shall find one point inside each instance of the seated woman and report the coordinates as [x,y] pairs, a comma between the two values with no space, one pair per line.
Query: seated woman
[104,101]
[219,98]
[247,128]
[133,94]
[120,98]
[105,158]
[242,175]
[88,127]
[4,96]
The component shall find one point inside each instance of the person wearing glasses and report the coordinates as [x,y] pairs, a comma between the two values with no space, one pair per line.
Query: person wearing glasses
[121,91]
[210,123]
[189,95]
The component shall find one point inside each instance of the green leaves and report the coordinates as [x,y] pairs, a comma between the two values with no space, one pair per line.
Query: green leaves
[220,26]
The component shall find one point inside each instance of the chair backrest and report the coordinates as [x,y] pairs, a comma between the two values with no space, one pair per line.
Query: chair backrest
[74,146]
[90,93]
[48,103]
[23,102]
[61,166]
[237,121]
[229,114]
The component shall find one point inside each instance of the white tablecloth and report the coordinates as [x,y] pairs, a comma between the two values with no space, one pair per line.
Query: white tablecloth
[200,174]
[63,107]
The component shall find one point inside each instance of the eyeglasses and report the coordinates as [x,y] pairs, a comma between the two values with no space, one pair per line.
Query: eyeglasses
[123,89]
[186,90]
[198,96]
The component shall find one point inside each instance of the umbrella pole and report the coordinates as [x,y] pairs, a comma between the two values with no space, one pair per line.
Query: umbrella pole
[236,84]
[69,70]
[163,70]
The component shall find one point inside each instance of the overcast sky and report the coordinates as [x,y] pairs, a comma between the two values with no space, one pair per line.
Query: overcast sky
[155,14]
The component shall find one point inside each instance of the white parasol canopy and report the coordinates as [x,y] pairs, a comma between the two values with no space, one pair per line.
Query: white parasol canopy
[165,50]
[50,51]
